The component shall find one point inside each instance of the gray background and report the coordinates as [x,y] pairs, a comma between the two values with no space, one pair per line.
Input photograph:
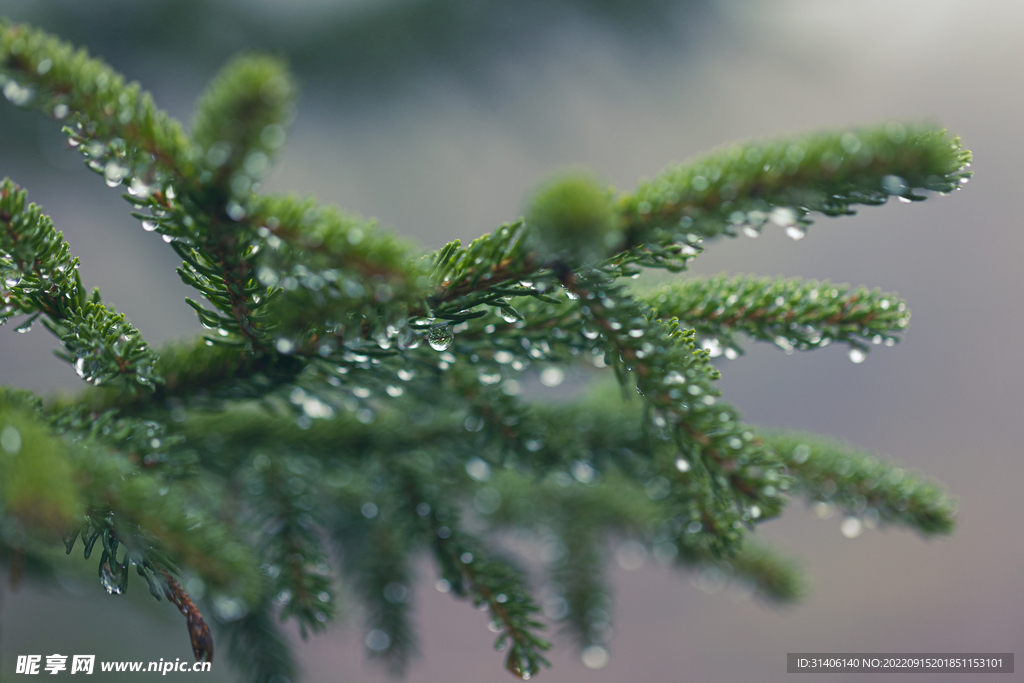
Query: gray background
[447,139]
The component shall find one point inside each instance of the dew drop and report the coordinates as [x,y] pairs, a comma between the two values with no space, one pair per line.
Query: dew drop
[407,340]
[377,640]
[894,185]
[508,315]
[109,580]
[682,465]
[851,527]
[750,231]
[17,94]
[10,440]
[594,657]
[552,377]
[857,356]
[674,377]
[796,232]
[489,378]
[139,189]
[713,347]
[114,173]
[440,338]
[12,280]
[782,216]
[822,510]
[784,344]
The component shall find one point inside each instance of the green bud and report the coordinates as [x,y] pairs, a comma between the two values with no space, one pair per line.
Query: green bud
[574,221]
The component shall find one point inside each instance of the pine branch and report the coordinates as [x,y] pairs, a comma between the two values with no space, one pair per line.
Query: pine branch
[41,278]
[492,584]
[239,124]
[285,518]
[133,136]
[579,573]
[774,578]
[257,647]
[792,314]
[728,480]
[748,186]
[861,485]
[593,503]
[374,542]
[314,407]
[337,277]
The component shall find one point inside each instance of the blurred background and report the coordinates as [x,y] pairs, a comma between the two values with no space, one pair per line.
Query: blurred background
[440,116]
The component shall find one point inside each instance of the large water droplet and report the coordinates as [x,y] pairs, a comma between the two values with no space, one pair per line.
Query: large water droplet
[440,338]
[796,232]
[12,279]
[857,356]
[110,581]
[114,173]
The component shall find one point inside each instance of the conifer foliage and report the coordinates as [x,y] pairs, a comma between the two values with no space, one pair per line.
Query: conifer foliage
[356,405]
